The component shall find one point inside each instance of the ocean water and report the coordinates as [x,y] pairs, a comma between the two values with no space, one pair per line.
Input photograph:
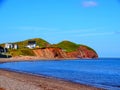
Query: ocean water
[103,73]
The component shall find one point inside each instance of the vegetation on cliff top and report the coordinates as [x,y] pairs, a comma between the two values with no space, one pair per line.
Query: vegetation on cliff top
[67,46]
[40,42]
[21,52]
[87,47]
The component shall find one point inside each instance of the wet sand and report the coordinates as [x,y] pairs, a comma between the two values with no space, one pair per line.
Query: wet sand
[21,58]
[10,80]
[30,58]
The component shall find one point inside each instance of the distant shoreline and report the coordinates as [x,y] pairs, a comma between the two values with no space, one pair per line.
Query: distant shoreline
[23,81]
[33,58]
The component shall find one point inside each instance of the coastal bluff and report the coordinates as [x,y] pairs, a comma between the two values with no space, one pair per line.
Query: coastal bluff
[40,48]
[57,53]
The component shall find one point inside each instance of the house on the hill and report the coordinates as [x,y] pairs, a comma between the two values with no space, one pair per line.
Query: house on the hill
[31,44]
[15,46]
[11,46]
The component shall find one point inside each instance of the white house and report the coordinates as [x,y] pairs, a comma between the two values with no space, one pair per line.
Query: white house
[15,46]
[11,46]
[31,44]
[8,45]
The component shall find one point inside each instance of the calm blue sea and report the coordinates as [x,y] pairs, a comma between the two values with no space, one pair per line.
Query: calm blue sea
[103,72]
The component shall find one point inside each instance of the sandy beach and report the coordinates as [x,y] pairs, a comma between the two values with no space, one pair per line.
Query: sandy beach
[21,58]
[10,80]
[29,58]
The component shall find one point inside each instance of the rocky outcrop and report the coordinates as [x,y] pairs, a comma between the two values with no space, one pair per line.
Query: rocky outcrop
[83,52]
[54,52]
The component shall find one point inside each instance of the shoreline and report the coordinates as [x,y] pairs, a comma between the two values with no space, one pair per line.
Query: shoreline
[35,58]
[31,58]
[13,80]
[35,82]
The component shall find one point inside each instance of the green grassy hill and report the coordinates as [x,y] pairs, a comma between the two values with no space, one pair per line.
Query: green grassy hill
[25,51]
[67,46]
[22,50]
[40,42]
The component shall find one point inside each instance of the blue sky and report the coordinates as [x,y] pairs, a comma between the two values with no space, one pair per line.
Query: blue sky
[95,23]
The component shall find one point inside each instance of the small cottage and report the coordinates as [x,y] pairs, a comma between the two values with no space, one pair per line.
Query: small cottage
[31,44]
[11,46]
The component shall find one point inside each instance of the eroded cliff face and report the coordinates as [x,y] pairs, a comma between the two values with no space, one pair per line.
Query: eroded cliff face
[50,53]
[81,52]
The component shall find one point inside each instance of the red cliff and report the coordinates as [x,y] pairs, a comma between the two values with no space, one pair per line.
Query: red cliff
[54,52]
[50,52]
[83,52]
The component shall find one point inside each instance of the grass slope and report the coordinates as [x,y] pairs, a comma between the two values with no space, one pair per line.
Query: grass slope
[40,42]
[22,50]
[67,46]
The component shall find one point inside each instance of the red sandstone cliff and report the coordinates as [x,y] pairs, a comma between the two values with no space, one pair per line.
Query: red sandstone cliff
[81,52]
[50,53]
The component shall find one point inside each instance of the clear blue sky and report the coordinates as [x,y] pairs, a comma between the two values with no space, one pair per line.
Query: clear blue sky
[95,23]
